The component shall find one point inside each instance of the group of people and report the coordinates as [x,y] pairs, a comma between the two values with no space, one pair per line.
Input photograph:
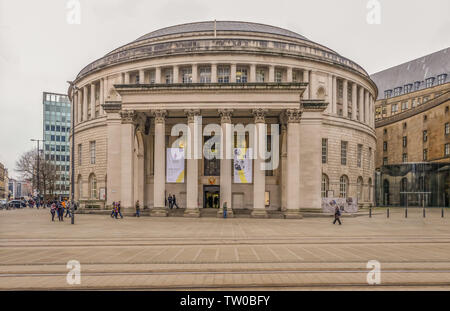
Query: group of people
[58,207]
[172,201]
[116,212]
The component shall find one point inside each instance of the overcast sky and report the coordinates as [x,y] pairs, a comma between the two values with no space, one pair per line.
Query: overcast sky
[40,50]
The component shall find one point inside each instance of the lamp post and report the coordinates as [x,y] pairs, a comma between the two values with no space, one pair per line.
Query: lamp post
[72,90]
[38,175]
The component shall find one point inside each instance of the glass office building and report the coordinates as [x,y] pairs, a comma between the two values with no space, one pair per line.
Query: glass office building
[57,124]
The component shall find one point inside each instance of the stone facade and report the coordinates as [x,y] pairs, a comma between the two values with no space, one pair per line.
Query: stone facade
[128,102]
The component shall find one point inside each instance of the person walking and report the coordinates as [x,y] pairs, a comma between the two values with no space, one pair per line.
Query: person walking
[337,215]
[225,209]
[61,211]
[118,210]
[113,209]
[68,212]
[170,200]
[174,201]
[138,209]
[53,211]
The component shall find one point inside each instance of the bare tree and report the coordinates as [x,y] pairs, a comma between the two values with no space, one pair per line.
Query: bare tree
[26,166]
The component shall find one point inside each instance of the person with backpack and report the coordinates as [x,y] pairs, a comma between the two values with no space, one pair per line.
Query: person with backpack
[337,215]
[53,211]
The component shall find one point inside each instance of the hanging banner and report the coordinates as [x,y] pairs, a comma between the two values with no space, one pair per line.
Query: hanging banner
[242,164]
[175,165]
[346,205]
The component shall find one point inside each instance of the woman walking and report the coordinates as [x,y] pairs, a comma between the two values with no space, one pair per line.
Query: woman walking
[337,215]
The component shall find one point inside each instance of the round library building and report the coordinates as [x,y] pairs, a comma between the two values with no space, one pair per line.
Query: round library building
[254,117]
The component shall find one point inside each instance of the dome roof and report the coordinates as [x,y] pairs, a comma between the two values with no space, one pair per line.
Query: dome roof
[221,26]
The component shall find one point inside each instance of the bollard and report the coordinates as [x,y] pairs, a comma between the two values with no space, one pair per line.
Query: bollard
[442,213]
[424,212]
[370,211]
[387,212]
[72,219]
[406,212]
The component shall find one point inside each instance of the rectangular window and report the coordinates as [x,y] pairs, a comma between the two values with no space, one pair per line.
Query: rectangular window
[344,152]
[425,154]
[404,106]
[205,74]
[407,88]
[186,75]
[446,150]
[425,135]
[241,74]
[92,151]
[441,79]
[394,108]
[387,93]
[405,141]
[168,75]
[397,91]
[340,89]
[278,76]
[385,161]
[417,85]
[447,129]
[79,154]
[223,74]
[359,156]
[405,157]
[324,150]
[152,77]
[429,82]
[385,145]
[260,75]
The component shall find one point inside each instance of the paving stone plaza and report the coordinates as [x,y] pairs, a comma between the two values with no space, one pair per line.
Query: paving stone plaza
[212,253]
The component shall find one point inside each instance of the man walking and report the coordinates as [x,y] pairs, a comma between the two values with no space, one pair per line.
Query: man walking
[170,201]
[118,210]
[174,201]
[337,215]
[138,209]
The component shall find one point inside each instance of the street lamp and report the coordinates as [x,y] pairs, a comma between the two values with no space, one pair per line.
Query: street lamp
[38,156]
[72,177]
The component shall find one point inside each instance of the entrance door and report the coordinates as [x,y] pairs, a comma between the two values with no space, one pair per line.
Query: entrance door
[211,197]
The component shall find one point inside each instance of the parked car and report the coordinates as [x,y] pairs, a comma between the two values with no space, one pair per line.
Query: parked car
[16,204]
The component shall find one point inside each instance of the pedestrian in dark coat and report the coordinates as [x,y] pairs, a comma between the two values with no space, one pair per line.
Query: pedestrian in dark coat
[337,215]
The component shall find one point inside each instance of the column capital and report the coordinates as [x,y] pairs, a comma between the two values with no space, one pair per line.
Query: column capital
[293,115]
[160,115]
[225,115]
[128,116]
[259,114]
[191,114]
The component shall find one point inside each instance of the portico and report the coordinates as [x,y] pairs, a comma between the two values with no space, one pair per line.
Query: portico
[145,114]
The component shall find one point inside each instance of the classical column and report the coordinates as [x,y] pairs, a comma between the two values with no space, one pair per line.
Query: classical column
[159,179]
[85,103]
[259,174]
[75,106]
[284,163]
[271,73]
[127,158]
[345,98]
[252,73]
[102,95]
[329,96]
[157,75]
[80,105]
[113,129]
[232,73]
[141,76]
[354,101]
[312,85]
[93,101]
[366,107]
[361,104]
[293,164]
[193,153]
[225,162]
[306,80]
[310,173]
[334,104]
[176,73]
[127,78]
[289,74]
[194,73]
[213,73]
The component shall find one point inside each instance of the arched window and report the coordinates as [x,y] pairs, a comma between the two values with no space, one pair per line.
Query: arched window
[359,188]
[369,185]
[93,186]
[325,185]
[343,186]
[80,187]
